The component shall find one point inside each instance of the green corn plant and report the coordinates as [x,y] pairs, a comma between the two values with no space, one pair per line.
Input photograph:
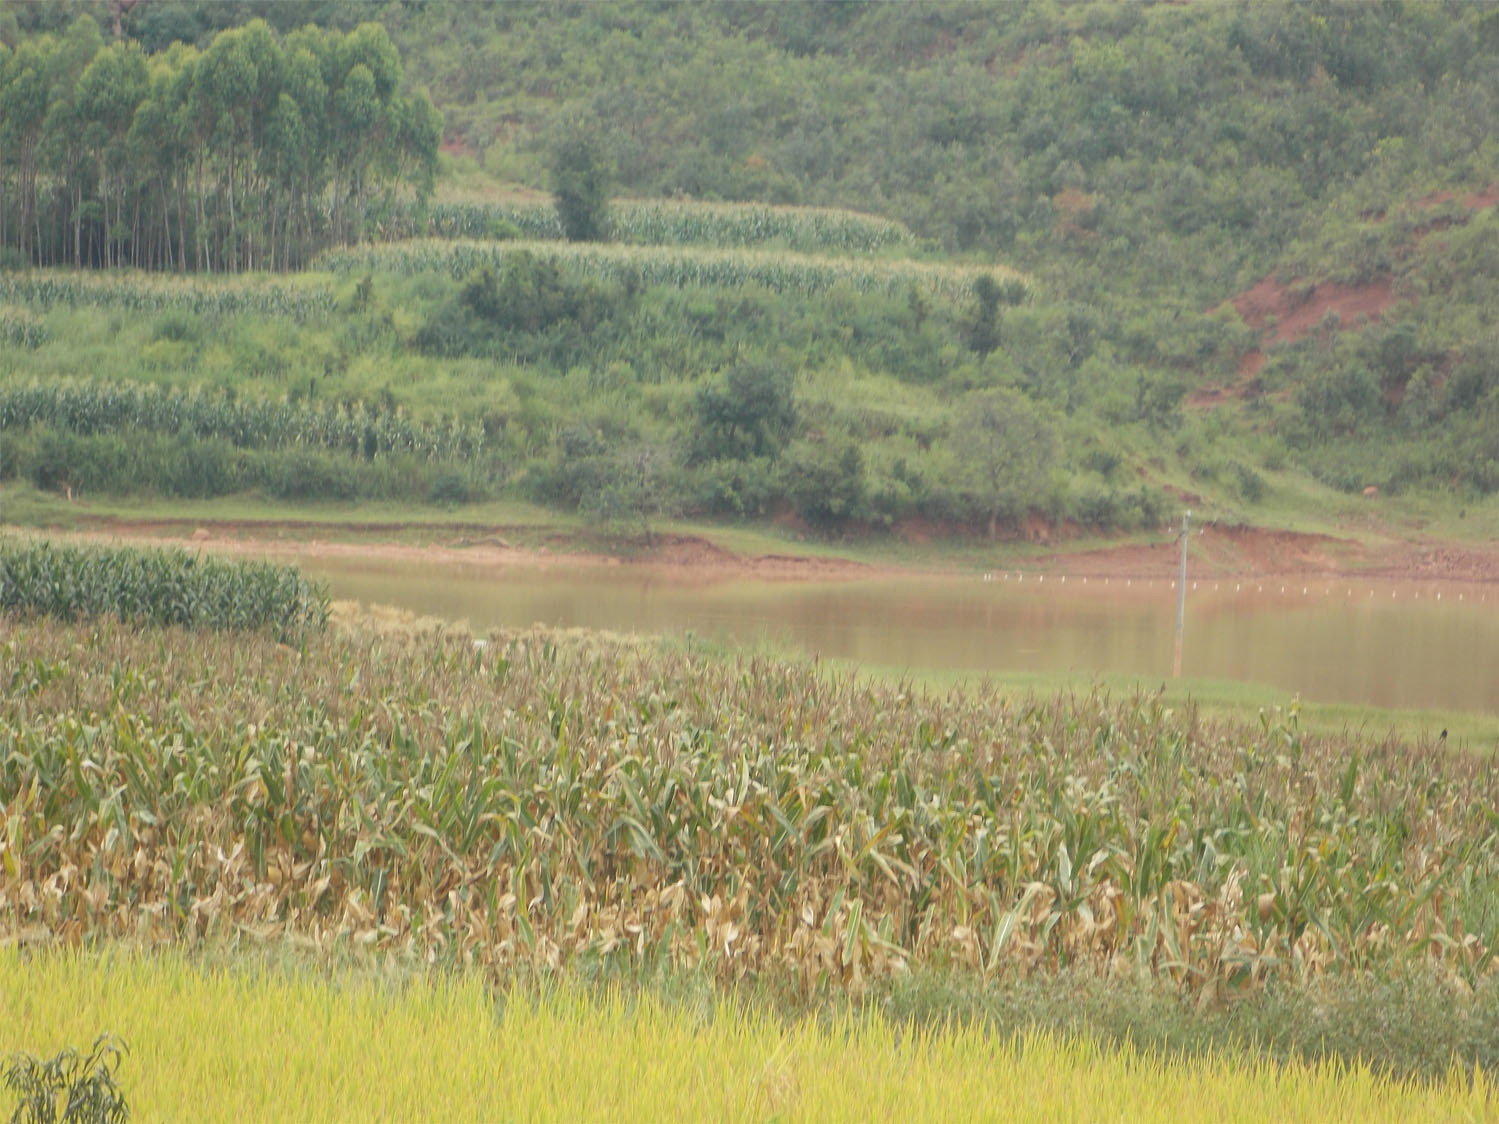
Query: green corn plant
[72,1087]
[157,587]
[299,300]
[359,430]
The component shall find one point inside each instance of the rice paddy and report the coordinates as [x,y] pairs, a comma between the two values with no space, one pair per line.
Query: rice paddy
[250,1043]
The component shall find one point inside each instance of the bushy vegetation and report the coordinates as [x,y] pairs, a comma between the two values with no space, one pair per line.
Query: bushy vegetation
[1146,161]
[570,369]
[150,587]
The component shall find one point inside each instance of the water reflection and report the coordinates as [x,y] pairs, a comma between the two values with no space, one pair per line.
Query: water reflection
[1389,645]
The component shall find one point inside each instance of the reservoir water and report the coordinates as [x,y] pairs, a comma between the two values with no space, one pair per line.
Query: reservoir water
[1385,644]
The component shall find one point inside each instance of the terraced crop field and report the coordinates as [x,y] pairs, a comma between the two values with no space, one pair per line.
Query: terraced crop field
[778,270]
[665,222]
[300,298]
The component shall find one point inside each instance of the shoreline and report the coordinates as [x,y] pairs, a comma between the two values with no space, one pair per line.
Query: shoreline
[1217,552]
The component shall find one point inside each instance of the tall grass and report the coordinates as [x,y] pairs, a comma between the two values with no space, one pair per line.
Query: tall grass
[209,1045]
[548,800]
[778,270]
[153,587]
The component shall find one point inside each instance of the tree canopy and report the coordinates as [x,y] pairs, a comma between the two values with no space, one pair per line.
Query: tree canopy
[253,152]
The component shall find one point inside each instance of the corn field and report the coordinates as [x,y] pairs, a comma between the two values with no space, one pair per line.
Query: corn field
[152,587]
[144,292]
[20,327]
[545,799]
[809,230]
[88,408]
[679,266]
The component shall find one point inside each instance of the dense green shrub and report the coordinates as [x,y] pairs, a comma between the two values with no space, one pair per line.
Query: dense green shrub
[750,412]
[735,489]
[581,177]
[825,482]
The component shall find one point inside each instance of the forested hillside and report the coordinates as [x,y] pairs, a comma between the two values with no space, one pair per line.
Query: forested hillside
[1240,252]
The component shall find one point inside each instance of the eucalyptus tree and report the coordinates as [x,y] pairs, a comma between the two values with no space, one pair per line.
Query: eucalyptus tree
[109,91]
[6,56]
[251,153]
[64,146]
[23,110]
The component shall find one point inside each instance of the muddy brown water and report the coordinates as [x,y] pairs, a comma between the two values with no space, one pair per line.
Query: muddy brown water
[1384,644]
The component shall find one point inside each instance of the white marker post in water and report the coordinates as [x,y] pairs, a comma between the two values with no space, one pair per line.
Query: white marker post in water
[1181,603]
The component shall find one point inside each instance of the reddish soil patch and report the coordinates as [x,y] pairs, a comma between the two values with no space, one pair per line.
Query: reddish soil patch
[457,146]
[1298,309]
[1477,200]
[1439,562]
[916,529]
[1074,213]
[1240,552]
[1220,551]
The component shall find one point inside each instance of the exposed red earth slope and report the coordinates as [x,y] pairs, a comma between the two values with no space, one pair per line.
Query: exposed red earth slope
[1299,308]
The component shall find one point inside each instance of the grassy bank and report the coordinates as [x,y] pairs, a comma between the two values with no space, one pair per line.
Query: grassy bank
[1229,701]
[232,1044]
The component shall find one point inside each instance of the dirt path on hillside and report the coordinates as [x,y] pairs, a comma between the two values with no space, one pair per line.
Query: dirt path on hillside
[1216,551]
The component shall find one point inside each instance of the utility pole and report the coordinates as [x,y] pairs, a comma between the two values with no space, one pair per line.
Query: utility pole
[1181,602]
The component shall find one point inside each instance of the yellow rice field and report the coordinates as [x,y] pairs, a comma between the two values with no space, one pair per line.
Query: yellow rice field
[242,1044]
